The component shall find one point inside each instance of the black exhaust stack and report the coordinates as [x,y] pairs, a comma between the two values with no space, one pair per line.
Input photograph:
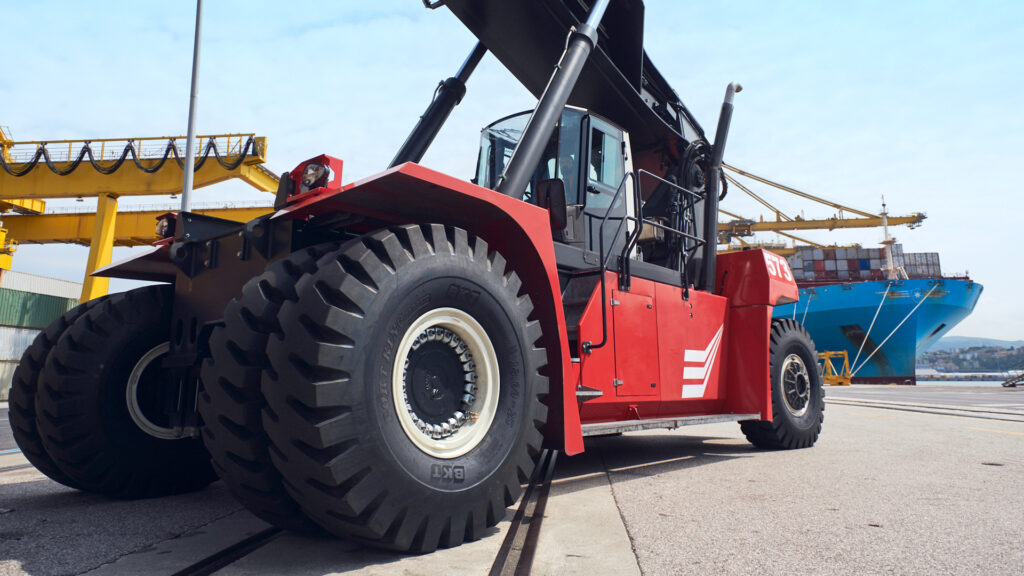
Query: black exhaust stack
[449,94]
[711,187]
[541,125]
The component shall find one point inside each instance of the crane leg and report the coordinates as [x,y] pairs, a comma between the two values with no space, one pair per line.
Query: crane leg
[101,247]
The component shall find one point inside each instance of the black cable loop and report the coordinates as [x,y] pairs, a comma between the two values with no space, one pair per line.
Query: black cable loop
[42,153]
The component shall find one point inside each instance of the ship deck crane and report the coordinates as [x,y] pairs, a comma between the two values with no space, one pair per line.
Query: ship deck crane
[107,169]
[740,227]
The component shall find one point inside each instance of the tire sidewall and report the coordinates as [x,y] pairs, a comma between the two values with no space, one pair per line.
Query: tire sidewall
[428,285]
[795,341]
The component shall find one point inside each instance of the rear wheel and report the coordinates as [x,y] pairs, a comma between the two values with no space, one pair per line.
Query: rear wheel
[405,397]
[230,403]
[25,383]
[101,402]
[798,400]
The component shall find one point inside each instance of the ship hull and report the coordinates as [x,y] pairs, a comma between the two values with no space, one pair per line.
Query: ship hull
[882,325]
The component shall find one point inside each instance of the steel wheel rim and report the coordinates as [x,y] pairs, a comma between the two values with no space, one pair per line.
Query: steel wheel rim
[135,410]
[446,435]
[796,385]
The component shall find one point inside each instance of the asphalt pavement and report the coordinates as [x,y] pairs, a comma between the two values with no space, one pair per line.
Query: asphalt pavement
[885,491]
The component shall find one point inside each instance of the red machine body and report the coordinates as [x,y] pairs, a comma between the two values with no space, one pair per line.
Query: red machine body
[667,356]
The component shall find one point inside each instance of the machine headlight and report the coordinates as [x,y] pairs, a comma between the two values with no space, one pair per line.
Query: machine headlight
[315,175]
[164,227]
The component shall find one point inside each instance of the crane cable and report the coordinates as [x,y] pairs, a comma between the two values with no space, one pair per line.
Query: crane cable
[796,192]
[129,150]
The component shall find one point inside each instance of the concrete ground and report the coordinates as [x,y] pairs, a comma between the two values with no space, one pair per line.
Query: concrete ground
[884,492]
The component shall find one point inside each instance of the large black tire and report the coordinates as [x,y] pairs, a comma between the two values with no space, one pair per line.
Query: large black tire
[798,399]
[25,382]
[82,412]
[348,446]
[230,402]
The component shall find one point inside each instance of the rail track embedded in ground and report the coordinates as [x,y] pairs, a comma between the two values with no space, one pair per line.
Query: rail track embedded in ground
[515,557]
[231,554]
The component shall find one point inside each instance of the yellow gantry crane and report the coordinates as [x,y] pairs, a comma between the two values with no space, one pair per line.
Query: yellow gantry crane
[739,227]
[107,169]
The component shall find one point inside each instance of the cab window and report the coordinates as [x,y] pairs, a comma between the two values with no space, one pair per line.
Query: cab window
[605,169]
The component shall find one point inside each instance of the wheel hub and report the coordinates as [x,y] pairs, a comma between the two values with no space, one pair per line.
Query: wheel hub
[796,385]
[445,383]
[439,376]
[143,395]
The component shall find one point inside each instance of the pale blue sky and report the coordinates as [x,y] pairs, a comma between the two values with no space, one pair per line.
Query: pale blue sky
[919,101]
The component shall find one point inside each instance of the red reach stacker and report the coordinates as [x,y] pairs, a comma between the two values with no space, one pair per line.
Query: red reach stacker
[386,359]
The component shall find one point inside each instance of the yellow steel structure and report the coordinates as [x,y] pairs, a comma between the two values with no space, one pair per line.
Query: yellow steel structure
[784,223]
[118,167]
[129,180]
[830,374]
[132,228]
[101,247]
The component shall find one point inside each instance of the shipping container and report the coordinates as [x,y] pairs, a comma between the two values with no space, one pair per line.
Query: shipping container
[31,310]
[14,341]
[6,375]
[12,280]
[818,254]
[830,265]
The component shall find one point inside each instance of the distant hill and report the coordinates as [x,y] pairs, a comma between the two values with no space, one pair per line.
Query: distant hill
[954,342]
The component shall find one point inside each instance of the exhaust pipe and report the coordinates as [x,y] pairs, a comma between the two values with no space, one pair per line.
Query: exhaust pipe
[711,188]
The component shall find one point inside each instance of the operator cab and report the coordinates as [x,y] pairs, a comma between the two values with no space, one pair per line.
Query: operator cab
[589,155]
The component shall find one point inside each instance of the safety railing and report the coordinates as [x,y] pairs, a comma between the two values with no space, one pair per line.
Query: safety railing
[162,207]
[633,238]
[107,155]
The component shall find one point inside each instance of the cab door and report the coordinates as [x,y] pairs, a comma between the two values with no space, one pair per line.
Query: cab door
[635,326]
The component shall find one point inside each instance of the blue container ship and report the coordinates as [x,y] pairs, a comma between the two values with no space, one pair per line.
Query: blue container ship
[882,324]
[880,305]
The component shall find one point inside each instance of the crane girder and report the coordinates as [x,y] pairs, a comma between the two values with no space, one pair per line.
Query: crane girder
[130,180]
[741,227]
[130,228]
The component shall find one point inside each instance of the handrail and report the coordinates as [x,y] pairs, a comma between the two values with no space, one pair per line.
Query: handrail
[631,242]
[624,278]
[588,346]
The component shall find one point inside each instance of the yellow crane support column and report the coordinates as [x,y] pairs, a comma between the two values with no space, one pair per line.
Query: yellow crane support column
[6,251]
[101,248]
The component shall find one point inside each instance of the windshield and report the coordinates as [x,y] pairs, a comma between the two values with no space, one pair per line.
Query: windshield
[559,160]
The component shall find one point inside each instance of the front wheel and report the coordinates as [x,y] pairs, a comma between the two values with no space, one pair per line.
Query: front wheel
[404,399]
[798,400]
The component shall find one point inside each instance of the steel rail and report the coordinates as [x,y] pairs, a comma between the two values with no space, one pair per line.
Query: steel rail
[230,555]
[517,551]
[7,469]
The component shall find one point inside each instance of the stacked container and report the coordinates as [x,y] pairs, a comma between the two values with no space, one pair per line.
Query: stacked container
[28,303]
[854,263]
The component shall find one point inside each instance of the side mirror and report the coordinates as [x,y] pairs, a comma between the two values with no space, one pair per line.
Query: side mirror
[551,195]
[285,188]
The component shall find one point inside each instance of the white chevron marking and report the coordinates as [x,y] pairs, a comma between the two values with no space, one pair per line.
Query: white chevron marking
[706,358]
